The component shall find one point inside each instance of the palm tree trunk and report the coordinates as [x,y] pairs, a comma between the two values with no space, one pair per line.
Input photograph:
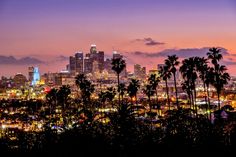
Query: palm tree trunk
[190,101]
[176,92]
[167,94]
[193,103]
[156,97]
[195,97]
[157,103]
[118,79]
[218,96]
[149,100]
[122,98]
[205,96]
[209,103]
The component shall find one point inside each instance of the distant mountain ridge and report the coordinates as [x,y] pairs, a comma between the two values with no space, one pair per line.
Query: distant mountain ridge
[21,61]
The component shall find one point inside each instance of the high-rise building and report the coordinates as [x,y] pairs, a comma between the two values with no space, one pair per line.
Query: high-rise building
[36,76]
[30,74]
[116,55]
[79,62]
[72,65]
[99,58]
[93,49]
[88,64]
[139,72]
[108,66]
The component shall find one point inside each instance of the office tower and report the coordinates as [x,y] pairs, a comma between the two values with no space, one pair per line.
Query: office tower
[72,65]
[30,74]
[116,55]
[36,76]
[139,72]
[108,66]
[93,49]
[99,58]
[88,64]
[79,62]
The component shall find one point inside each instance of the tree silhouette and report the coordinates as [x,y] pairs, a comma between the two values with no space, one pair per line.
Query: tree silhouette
[149,91]
[154,81]
[51,98]
[171,62]
[189,73]
[220,76]
[63,95]
[118,65]
[204,74]
[165,75]
[122,90]
[132,89]
[85,86]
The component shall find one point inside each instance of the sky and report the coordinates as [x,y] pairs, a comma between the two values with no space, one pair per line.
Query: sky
[51,30]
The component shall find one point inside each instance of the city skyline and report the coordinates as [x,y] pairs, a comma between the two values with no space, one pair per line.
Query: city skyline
[49,30]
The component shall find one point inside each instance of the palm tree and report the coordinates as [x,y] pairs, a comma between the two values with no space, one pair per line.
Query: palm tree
[204,74]
[118,65]
[154,81]
[165,75]
[189,73]
[110,94]
[149,91]
[220,76]
[102,97]
[51,98]
[63,95]
[121,90]
[186,86]
[80,80]
[214,55]
[132,89]
[171,62]
[85,86]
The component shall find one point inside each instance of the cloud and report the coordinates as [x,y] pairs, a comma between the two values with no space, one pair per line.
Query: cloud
[149,41]
[21,61]
[182,53]
[62,58]
[228,61]
[224,62]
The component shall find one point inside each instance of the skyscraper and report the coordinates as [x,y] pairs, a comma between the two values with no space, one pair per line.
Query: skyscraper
[79,62]
[108,66]
[30,74]
[116,55]
[93,49]
[139,72]
[36,76]
[72,65]
[88,64]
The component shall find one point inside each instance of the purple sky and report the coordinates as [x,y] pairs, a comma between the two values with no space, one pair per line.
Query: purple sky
[46,29]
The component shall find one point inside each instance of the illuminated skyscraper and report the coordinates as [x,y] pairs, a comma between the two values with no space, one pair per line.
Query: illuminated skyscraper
[72,65]
[36,76]
[30,74]
[79,62]
[93,49]
[88,64]
[139,72]
[116,55]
